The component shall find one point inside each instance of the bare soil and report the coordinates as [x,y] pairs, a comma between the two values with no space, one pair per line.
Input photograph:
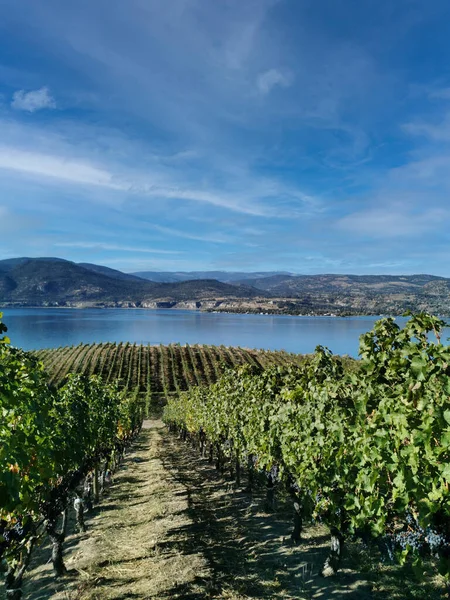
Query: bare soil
[171,527]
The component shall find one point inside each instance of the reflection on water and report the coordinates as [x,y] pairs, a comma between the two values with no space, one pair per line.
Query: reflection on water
[49,328]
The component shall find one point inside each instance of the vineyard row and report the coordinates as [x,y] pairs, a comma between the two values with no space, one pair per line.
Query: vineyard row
[155,370]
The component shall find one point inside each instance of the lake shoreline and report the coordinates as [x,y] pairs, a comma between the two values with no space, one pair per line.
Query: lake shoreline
[35,328]
[8,306]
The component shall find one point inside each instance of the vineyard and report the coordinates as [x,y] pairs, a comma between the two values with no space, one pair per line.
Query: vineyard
[366,453]
[358,448]
[155,372]
[57,448]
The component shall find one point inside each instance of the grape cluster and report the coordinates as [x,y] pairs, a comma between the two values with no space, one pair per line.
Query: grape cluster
[409,539]
[11,535]
[411,520]
[418,539]
[437,542]
[14,534]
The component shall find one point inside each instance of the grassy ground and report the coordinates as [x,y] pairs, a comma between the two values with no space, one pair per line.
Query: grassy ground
[171,527]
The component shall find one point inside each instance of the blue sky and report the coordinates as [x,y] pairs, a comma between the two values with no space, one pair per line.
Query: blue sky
[304,135]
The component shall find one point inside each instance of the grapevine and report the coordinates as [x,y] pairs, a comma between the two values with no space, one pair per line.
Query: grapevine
[50,440]
[361,449]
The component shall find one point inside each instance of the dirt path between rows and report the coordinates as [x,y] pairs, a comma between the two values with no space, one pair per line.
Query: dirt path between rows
[171,527]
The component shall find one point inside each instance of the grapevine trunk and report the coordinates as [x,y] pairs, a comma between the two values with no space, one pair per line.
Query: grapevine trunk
[57,538]
[333,560]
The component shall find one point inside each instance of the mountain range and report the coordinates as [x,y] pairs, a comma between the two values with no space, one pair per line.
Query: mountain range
[58,282]
[224,276]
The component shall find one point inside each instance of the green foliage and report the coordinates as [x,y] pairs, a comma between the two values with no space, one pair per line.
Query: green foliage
[365,447]
[26,435]
[49,439]
[168,368]
[4,339]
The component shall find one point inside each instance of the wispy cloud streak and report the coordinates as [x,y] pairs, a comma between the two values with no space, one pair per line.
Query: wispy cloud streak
[190,125]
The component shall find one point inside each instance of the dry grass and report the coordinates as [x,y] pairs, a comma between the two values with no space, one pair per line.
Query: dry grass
[121,556]
[171,527]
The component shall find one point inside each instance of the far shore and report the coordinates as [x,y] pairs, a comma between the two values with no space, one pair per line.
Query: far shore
[204,311]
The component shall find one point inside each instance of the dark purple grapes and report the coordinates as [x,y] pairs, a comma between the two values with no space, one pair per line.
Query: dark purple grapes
[436,541]
[418,540]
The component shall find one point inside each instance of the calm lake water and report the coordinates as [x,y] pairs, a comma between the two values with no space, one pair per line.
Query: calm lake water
[50,327]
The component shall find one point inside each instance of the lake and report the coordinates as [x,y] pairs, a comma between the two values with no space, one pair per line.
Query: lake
[34,328]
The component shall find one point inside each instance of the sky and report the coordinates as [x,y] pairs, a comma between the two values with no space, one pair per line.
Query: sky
[310,136]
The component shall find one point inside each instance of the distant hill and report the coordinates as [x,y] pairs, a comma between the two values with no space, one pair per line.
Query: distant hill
[224,276]
[298,285]
[355,294]
[57,282]
[110,272]
[10,263]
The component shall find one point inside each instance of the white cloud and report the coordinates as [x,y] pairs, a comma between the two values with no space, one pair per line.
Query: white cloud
[213,197]
[439,132]
[114,247]
[139,183]
[395,222]
[55,167]
[102,160]
[34,100]
[216,238]
[266,81]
